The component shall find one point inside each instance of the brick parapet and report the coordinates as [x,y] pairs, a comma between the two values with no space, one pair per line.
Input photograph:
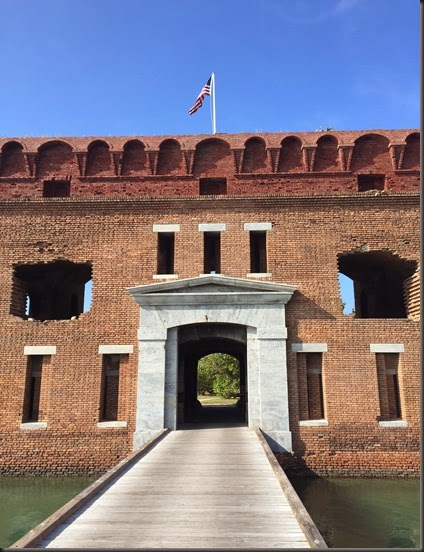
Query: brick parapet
[189,142]
[282,163]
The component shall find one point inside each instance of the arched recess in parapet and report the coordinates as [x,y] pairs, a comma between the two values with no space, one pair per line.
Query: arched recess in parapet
[291,159]
[327,155]
[56,158]
[411,158]
[255,157]
[213,156]
[170,159]
[371,153]
[99,161]
[134,159]
[12,161]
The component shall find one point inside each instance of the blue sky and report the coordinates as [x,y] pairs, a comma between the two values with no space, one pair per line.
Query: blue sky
[125,67]
[135,67]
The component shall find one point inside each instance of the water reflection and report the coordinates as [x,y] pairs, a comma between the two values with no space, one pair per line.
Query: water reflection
[26,501]
[363,513]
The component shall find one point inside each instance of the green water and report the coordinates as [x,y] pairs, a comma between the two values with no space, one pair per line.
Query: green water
[349,513]
[363,513]
[26,501]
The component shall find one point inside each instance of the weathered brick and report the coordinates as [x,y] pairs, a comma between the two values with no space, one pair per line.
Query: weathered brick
[119,188]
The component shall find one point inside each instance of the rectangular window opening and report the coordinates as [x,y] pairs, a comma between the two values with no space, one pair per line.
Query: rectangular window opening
[31,409]
[166,247]
[314,386]
[367,182]
[388,386]
[110,388]
[212,186]
[310,386]
[258,260]
[212,252]
[56,188]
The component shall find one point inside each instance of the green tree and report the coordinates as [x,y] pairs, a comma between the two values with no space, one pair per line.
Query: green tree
[205,376]
[218,374]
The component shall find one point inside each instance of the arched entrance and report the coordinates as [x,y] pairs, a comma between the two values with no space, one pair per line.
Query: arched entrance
[196,341]
[256,308]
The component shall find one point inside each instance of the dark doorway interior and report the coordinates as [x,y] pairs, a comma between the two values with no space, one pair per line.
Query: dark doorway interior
[195,342]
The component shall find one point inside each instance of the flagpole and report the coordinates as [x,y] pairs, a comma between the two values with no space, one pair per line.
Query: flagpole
[213,105]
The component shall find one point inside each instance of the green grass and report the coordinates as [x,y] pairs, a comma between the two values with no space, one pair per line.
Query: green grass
[213,399]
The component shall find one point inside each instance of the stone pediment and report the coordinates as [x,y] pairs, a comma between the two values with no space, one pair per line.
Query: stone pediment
[211,289]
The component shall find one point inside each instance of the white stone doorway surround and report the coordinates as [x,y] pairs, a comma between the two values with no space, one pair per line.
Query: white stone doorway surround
[258,306]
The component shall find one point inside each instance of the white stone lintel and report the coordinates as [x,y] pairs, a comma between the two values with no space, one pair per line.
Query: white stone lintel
[33,425]
[116,349]
[387,347]
[313,423]
[393,423]
[257,226]
[31,350]
[309,347]
[166,228]
[105,425]
[212,227]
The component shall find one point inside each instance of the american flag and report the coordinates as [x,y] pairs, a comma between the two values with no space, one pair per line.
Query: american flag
[206,91]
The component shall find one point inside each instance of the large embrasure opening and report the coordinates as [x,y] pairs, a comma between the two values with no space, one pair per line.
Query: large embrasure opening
[378,282]
[50,291]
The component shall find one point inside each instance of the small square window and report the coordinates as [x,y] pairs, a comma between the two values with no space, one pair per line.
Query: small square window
[56,188]
[367,182]
[212,186]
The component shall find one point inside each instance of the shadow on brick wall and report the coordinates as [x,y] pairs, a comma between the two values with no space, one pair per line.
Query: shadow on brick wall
[302,307]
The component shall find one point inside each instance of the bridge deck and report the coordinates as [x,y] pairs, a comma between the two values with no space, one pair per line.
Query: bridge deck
[197,488]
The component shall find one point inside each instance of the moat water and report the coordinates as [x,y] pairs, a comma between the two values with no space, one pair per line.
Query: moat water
[27,501]
[349,513]
[363,513]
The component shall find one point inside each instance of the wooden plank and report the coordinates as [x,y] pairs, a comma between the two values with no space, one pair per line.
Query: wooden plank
[34,536]
[209,488]
[310,529]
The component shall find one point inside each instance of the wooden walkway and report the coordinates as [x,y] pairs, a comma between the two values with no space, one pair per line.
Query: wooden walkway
[197,488]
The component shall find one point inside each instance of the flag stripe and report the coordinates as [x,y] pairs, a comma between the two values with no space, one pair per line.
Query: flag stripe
[206,91]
